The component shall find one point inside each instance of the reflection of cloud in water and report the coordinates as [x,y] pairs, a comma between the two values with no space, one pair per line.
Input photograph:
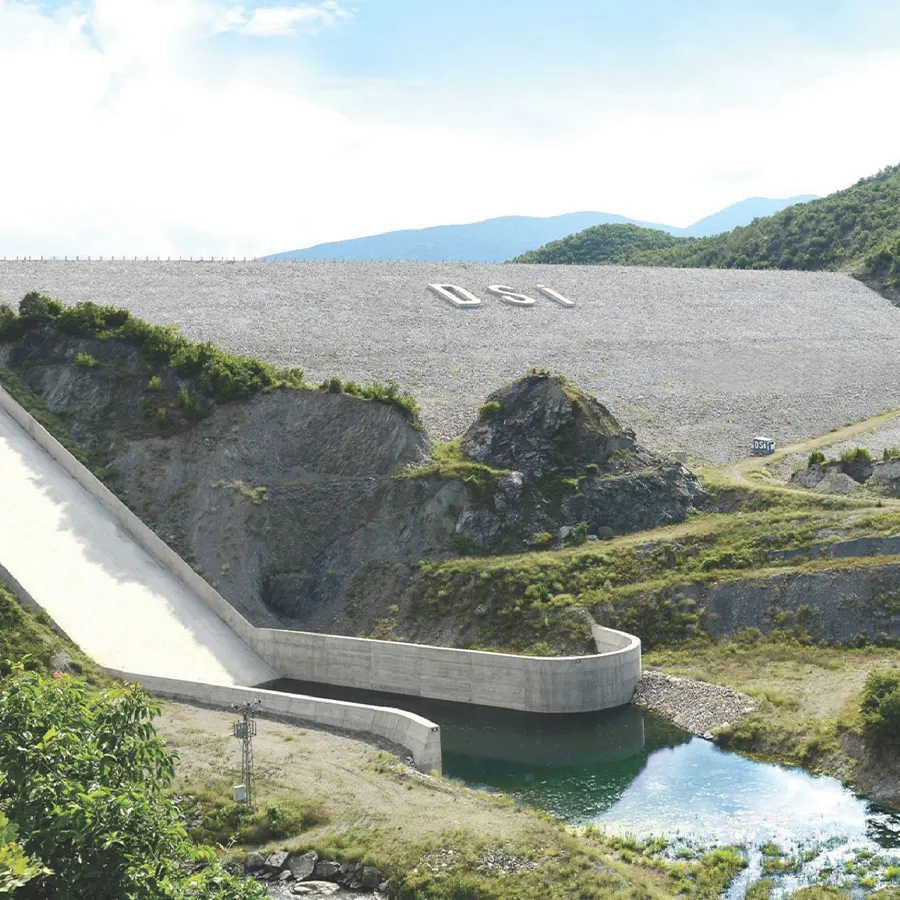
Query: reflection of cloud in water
[719,796]
[638,774]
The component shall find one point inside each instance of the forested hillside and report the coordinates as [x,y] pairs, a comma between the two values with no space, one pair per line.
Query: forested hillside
[601,244]
[856,230]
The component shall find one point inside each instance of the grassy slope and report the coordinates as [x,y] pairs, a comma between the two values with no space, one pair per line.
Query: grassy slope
[518,600]
[855,230]
[29,639]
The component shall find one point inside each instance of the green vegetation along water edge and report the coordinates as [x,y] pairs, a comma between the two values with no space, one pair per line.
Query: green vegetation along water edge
[103,792]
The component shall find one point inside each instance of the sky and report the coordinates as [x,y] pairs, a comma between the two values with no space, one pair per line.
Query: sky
[226,128]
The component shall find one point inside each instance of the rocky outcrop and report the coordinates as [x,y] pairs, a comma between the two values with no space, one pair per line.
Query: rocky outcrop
[886,474]
[695,706]
[543,424]
[568,461]
[840,477]
[844,604]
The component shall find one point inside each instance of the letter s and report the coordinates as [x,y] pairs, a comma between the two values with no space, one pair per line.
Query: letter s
[509,295]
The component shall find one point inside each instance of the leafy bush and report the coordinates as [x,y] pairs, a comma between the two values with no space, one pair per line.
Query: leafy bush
[389,392]
[90,320]
[83,781]
[856,455]
[36,308]
[489,408]
[86,361]
[890,453]
[162,415]
[16,869]
[579,536]
[10,327]
[880,704]
[816,458]
[189,404]
[155,384]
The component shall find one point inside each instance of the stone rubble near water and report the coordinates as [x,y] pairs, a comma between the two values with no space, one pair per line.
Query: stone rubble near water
[694,360]
[695,706]
[289,875]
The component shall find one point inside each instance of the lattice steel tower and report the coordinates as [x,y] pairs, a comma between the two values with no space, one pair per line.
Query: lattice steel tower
[244,730]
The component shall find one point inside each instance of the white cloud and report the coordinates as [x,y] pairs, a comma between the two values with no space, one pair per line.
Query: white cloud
[123,134]
[275,21]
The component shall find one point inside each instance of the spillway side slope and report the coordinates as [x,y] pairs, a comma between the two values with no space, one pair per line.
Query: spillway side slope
[72,556]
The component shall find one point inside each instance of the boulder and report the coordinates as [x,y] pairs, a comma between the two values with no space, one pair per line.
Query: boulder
[370,878]
[303,865]
[254,862]
[348,873]
[325,871]
[886,474]
[276,861]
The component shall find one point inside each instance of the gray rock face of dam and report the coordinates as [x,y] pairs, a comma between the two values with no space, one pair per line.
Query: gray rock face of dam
[694,360]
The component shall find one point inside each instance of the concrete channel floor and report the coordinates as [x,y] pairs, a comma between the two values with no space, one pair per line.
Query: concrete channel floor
[105,591]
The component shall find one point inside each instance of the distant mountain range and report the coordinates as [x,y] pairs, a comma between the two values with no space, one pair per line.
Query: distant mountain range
[497,240]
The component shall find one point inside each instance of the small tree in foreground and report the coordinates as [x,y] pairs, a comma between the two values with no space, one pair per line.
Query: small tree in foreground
[81,781]
[880,705]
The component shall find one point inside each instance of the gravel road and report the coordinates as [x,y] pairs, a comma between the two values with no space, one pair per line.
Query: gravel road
[695,360]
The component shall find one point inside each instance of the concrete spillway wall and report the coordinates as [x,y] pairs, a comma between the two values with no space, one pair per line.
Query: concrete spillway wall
[568,684]
[533,684]
[416,734]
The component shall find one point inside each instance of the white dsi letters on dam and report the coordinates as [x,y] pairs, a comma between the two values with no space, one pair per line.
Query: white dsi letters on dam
[460,297]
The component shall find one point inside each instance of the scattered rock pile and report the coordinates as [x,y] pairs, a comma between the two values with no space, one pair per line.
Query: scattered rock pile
[840,477]
[696,706]
[305,875]
[491,862]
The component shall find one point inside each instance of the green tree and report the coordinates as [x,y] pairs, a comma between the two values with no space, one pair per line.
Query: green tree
[880,705]
[82,782]
[16,869]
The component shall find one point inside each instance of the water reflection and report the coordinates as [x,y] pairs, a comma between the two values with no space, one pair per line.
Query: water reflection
[631,771]
[710,794]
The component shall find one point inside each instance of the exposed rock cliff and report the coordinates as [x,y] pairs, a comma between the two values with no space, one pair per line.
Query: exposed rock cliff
[286,500]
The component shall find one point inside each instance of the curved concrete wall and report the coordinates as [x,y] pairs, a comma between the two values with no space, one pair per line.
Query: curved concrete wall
[558,684]
[533,684]
[414,733]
